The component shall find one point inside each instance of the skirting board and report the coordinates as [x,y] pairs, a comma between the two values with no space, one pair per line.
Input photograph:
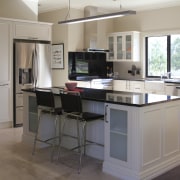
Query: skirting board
[8,124]
[148,174]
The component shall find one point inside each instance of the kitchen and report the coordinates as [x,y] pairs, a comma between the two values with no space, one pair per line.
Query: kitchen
[145,22]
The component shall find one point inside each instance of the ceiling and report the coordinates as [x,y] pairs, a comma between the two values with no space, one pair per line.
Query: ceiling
[107,5]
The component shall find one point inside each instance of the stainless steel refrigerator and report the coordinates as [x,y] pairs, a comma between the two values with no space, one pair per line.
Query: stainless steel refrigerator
[32,68]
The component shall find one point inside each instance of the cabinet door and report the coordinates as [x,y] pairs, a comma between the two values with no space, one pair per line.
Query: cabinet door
[116,134]
[4,105]
[32,114]
[111,47]
[33,31]
[119,47]
[5,52]
[128,46]
[119,85]
[136,86]
[124,46]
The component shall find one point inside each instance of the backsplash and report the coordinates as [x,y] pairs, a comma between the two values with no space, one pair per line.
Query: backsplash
[125,70]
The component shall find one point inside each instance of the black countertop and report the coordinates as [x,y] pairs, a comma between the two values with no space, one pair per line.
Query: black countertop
[119,97]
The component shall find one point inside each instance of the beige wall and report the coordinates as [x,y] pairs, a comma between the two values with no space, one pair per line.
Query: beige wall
[96,32]
[19,9]
[155,20]
[71,35]
[146,22]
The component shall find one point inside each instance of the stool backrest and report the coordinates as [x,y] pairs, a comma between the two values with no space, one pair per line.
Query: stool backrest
[71,103]
[45,98]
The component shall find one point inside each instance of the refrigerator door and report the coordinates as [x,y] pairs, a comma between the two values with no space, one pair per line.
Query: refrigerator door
[32,69]
[43,65]
[24,55]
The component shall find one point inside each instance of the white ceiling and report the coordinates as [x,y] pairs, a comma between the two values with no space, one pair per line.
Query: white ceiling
[107,5]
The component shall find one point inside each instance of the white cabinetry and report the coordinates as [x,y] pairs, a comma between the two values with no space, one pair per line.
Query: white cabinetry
[155,87]
[11,28]
[116,135]
[127,85]
[141,142]
[119,85]
[170,89]
[5,74]
[123,46]
[136,86]
[34,31]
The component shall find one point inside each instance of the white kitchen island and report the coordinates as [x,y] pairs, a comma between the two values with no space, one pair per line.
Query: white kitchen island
[140,133]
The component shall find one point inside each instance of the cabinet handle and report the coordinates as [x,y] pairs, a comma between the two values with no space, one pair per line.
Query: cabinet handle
[4,84]
[33,38]
[106,114]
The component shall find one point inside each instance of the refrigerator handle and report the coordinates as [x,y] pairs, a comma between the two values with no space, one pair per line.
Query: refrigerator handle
[34,68]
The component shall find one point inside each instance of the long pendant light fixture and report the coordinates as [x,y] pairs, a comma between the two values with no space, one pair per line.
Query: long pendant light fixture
[98,17]
[95,18]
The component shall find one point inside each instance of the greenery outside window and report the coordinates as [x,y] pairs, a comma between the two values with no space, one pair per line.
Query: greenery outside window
[162,56]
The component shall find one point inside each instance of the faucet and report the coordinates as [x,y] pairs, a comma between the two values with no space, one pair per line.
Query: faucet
[168,75]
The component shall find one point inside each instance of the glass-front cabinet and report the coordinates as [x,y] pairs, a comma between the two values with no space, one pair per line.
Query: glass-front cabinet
[123,46]
[116,134]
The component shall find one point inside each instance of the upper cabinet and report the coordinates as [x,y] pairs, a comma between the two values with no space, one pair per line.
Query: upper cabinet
[124,46]
[32,31]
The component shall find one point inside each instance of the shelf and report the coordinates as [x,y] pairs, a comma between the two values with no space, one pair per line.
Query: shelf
[118,131]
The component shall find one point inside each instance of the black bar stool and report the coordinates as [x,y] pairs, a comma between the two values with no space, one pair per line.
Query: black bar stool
[46,104]
[72,109]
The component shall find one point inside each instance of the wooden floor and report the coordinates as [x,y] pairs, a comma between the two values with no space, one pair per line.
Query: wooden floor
[173,174]
[17,163]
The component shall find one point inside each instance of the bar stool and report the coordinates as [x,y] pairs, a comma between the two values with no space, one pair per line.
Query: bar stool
[46,104]
[72,109]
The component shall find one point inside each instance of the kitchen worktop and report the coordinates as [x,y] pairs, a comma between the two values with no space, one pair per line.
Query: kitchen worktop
[175,81]
[119,97]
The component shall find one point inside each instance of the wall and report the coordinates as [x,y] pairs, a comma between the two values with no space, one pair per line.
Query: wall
[96,32]
[161,20]
[71,35]
[19,9]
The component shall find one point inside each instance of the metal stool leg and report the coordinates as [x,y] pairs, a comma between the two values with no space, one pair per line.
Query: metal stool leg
[78,134]
[82,145]
[61,131]
[84,135]
[37,129]
[54,140]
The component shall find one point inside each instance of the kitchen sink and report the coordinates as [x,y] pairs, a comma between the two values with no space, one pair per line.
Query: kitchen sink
[172,80]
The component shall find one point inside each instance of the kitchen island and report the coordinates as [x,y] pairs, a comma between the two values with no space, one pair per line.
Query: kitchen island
[140,132]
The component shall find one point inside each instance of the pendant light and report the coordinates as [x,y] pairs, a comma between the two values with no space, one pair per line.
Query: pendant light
[97,17]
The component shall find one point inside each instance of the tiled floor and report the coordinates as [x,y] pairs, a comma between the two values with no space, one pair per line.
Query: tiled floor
[17,163]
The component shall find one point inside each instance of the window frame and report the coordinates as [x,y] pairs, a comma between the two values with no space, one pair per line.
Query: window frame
[168,54]
[145,35]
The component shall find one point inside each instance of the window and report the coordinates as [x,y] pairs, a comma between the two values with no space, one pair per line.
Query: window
[163,55]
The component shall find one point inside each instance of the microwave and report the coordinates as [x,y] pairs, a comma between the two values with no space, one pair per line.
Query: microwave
[87,65]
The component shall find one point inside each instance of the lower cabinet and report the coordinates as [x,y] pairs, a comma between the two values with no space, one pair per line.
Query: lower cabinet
[116,135]
[30,117]
[141,142]
[32,113]
[5,115]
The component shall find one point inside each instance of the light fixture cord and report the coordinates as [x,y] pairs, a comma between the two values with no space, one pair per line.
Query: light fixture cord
[68,13]
[120,7]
